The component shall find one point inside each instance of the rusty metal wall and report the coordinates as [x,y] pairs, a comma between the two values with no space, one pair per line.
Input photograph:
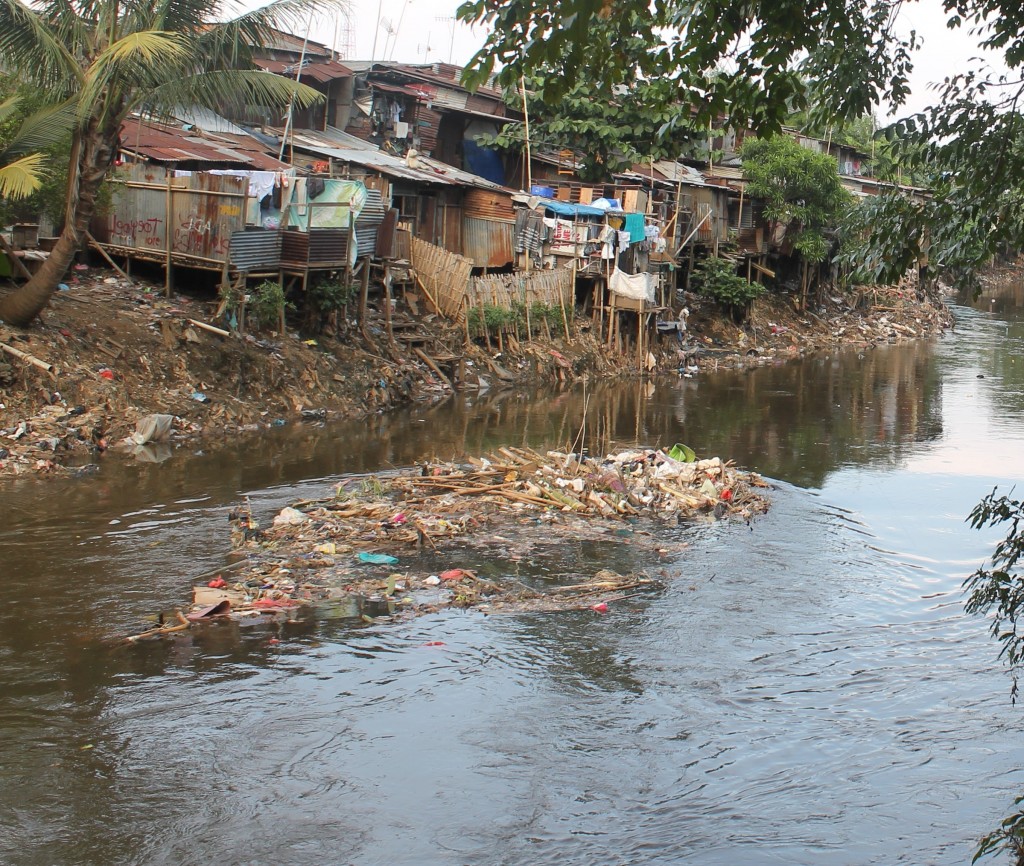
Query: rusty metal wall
[488,204]
[489,243]
[197,214]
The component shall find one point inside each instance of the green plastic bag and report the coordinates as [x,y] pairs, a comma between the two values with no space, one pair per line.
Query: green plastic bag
[682,453]
[377,558]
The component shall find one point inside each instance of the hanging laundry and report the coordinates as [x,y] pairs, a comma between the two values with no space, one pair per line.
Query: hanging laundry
[529,233]
[635,226]
[639,287]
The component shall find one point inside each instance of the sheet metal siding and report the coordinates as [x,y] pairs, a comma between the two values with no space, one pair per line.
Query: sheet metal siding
[370,218]
[446,98]
[317,247]
[488,204]
[254,249]
[487,242]
[204,212]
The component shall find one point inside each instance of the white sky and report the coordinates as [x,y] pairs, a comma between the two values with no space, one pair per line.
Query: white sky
[420,30]
[426,30]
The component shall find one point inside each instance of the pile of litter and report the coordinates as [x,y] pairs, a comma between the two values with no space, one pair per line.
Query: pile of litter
[410,543]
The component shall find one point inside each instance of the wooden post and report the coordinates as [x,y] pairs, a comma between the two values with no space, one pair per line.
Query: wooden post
[526,131]
[387,303]
[103,252]
[640,338]
[364,292]
[168,212]
[526,301]
[561,301]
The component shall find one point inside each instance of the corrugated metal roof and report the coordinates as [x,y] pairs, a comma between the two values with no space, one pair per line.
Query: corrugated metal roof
[724,172]
[319,70]
[335,143]
[443,73]
[208,121]
[367,157]
[162,142]
[678,172]
[281,40]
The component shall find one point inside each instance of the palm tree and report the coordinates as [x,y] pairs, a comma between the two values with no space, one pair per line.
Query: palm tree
[108,58]
[21,168]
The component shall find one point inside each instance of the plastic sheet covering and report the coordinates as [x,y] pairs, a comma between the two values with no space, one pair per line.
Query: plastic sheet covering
[639,287]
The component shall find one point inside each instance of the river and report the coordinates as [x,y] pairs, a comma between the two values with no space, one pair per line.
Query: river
[805,690]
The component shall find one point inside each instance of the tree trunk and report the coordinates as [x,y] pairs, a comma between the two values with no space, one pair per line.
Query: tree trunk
[96,146]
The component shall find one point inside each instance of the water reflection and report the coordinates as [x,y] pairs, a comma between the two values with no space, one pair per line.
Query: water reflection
[797,681]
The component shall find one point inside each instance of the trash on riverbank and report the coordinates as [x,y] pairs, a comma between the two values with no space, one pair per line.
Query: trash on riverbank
[461,533]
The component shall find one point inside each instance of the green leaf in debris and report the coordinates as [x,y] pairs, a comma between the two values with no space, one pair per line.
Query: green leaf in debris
[682,453]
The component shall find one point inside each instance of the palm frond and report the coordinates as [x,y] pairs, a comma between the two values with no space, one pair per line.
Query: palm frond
[8,108]
[32,49]
[136,64]
[186,16]
[21,178]
[44,128]
[233,90]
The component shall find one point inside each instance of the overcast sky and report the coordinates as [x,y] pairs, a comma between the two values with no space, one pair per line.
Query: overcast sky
[426,30]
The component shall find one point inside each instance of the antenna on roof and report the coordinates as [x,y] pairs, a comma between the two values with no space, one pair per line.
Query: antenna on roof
[449,22]
[426,49]
[389,28]
[347,44]
[376,30]
[401,17]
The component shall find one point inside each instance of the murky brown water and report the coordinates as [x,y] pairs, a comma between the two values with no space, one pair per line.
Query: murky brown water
[810,692]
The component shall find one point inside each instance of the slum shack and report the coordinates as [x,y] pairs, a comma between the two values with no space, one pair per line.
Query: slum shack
[468,536]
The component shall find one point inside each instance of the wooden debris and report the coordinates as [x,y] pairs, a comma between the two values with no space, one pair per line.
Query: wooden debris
[25,356]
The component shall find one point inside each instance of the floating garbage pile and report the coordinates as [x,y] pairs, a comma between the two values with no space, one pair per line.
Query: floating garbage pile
[445,535]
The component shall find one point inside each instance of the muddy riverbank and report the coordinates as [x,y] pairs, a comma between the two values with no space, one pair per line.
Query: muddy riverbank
[110,352]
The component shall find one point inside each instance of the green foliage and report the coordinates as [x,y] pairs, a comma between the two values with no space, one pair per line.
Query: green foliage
[717,279]
[266,304]
[998,591]
[34,148]
[746,63]
[494,318]
[611,129]
[800,189]
[329,295]
[1009,837]
[881,238]
[553,314]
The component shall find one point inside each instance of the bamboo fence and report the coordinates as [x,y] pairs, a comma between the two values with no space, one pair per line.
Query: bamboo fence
[551,288]
[444,276]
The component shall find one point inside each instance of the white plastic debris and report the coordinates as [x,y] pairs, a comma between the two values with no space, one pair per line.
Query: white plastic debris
[290,517]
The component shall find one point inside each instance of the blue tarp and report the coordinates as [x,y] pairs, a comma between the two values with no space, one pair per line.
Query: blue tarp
[484,161]
[571,210]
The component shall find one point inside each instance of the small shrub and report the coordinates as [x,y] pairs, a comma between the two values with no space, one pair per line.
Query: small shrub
[717,279]
[265,304]
[328,296]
